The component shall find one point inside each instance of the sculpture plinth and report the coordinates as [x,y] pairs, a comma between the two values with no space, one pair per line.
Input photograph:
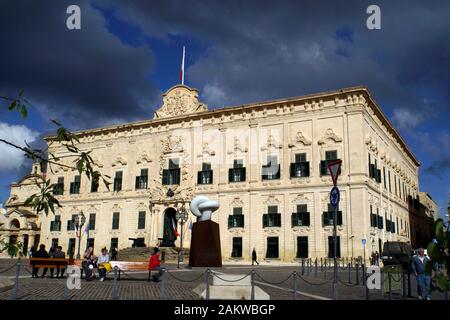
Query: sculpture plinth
[205,245]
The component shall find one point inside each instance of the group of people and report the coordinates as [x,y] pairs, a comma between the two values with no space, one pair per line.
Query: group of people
[375,258]
[53,253]
[103,265]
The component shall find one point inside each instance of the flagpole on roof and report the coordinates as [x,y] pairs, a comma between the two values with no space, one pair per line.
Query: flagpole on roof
[182,67]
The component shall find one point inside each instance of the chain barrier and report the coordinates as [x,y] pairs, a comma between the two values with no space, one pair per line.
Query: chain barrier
[214,273]
[7,269]
[347,284]
[274,283]
[184,280]
[313,284]
[128,275]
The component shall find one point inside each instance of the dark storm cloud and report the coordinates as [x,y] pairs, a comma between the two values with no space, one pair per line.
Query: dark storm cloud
[262,50]
[86,77]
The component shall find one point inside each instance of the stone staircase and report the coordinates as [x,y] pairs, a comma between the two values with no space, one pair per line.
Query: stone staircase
[168,254]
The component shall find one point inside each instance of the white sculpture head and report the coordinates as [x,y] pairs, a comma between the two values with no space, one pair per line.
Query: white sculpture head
[202,207]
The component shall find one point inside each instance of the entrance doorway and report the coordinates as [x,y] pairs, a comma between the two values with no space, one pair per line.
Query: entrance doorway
[169,236]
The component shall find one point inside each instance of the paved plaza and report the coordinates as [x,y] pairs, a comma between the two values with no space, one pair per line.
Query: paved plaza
[178,284]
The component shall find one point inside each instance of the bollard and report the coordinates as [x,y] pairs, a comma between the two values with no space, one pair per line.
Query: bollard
[66,289]
[357,274]
[404,285]
[390,285]
[364,274]
[409,284]
[253,285]
[114,289]
[321,264]
[325,271]
[295,284]
[162,285]
[303,266]
[310,265]
[367,289]
[382,283]
[349,273]
[16,284]
[208,272]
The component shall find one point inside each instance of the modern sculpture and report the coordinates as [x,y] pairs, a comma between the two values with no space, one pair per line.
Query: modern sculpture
[205,241]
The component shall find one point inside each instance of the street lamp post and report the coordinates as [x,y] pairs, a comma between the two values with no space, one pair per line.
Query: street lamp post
[79,222]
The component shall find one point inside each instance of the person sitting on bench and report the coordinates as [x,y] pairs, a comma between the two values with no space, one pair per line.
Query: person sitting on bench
[89,263]
[41,253]
[103,264]
[155,264]
[58,254]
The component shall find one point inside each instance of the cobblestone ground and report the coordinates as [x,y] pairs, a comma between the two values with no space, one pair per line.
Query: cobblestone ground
[277,281]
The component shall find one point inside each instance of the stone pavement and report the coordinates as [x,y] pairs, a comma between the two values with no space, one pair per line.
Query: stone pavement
[277,281]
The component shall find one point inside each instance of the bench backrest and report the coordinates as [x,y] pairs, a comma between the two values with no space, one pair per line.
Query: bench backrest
[139,265]
[49,262]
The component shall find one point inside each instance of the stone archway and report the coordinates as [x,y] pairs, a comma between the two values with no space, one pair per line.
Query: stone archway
[169,236]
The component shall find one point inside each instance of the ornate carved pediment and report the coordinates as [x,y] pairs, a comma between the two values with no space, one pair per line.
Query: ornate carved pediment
[237,202]
[172,144]
[272,200]
[237,147]
[329,135]
[272,143]
[120,161]
[143,158]
[300,138]
[206,150]
[180,100]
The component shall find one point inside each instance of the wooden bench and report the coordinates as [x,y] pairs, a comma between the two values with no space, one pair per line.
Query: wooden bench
[139,265]
[51,263]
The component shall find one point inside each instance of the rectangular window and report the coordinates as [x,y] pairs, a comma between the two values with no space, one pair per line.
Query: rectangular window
[54,243]
[384,177]
[115,221]
[71,223]
[300,157]
[75,186]
[237,173]
[206,175]
[329,156]
[237,247]
[114,244]
[59,187]
[141,220]
[171,176]
[236,220]
[328,216]
[91,242]
[118,181]
[92,221]
[142,180]
[331,247]
[272,247]
[71,247]
[302,247]
[237,211]
[55,225]
[94,185]
[239,163]
[272,209]
[389,177]
[301,217]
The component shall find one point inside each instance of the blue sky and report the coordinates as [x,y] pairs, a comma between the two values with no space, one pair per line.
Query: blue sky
[115,69]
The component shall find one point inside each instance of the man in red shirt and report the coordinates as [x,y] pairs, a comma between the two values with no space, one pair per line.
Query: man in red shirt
[155,264]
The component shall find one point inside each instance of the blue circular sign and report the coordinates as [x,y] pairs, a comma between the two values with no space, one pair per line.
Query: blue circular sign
[334,197]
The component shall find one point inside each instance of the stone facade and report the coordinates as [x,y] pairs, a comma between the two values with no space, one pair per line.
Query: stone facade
[184,138]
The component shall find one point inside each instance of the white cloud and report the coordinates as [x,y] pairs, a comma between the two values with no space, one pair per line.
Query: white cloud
[407,119]
[10,157]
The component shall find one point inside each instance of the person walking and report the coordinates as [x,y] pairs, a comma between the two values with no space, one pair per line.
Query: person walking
[155,264]
[254,257]
[103,264]
[58,254]
[114,254]
[377,258]
[418,266]
[41,253]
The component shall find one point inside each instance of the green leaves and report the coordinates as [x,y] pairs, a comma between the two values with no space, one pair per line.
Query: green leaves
[18,104]
[44,200]
[11,249]
[439,230]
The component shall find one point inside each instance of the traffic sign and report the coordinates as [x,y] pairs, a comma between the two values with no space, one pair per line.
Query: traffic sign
[334,197]
[334,169]
[363,242]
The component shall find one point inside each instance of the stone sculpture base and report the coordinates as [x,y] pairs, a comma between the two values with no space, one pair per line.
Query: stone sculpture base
[205,245]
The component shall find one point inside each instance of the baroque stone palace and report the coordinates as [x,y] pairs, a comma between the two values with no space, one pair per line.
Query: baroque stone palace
[264,162]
